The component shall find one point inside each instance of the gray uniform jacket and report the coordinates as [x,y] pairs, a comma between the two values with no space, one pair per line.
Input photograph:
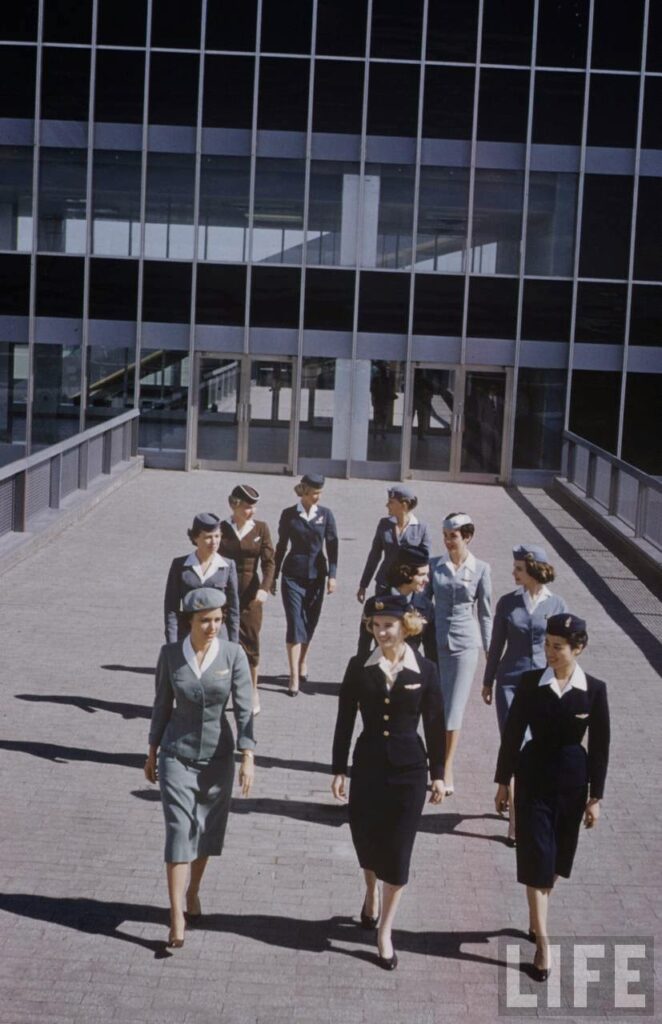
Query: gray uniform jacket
[188,718]
[522,633]
[455,595]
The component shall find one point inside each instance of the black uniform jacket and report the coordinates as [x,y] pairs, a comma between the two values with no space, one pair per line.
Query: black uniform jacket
[390,718]
[305,559]
[554,758]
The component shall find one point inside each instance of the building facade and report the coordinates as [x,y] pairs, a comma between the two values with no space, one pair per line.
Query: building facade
[366,237]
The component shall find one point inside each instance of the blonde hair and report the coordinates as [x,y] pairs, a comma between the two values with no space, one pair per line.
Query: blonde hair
[301,489]
[413,623]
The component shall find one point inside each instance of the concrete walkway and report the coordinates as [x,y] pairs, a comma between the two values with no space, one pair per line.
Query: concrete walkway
[83,901]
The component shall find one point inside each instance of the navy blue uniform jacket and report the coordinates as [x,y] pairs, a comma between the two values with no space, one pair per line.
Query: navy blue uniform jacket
[182,578]
[386,546]
[306,539]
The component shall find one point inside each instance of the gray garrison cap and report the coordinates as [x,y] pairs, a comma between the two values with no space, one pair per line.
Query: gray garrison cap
[204,599]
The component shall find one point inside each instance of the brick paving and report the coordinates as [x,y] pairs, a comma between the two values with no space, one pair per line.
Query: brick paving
[83,906]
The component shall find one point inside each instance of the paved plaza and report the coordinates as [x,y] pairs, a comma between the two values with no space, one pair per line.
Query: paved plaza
[83,903]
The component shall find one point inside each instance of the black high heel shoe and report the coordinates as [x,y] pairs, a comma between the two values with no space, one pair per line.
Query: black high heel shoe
[367,922]
[539,973]
[388,963]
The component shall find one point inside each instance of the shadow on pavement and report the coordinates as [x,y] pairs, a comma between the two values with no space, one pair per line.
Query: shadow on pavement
[443,823]
[262,761]
[130,668]
[90,704]
[299,810]
[62,755]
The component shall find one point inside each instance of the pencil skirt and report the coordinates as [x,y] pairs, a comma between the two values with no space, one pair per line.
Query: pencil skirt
[456,672]
[195,796]
[302,601]
[547,831]
[250,624]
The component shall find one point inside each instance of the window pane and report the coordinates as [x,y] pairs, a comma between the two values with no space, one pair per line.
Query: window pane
[652,126]
[492,308]
[337,96]
[67,21]
[562,33]
[438,305]
[643,406]
[176,24]
[600,313]
[448,102]
[228,92]
[169,205]
[383,302]
[507,26]
[15,291]
[122,22]
[497,224]
[558,108]
[224,187]
[173,88]
[167,292]
[57,391]
[286,26]
[503,105]
[16,198]
[329,302]
[333,213]
[612,111]
[341,26]
[113,289]
[13,395]
[389,194]
[19,21]
[275,296]
[283,95]
[17,81]
[116,203]
[221,295]
[646,315]
[452,30]
[606,218]
[396,29]
[278,211]
[595,400]
[386,382]
[62,200]
[110,381]
[654,42]
[393,99]
[551,221]
[546,310]
[120,84]
[323,412]
[231,26]
[442,219]
[60,286]
[617,38]
[539,418]
[65,83]
[647,263]
[164,383]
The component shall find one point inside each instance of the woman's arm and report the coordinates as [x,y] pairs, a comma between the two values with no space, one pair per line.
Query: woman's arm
[497,644]
[347,708]
[331,540]
[281,546]
[267,560]
[373,559]
[232,606]
[163,702]
[242,705]
[484,606]
[598,743]
[434,723]
[171,601]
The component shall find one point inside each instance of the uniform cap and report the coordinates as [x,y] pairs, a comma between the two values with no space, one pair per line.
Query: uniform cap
[565,625]
[534,551]
[387,604]
[456,521]
[401,493]
[410,556]
[204,599]
[205,521]
[244,492]
[314,480]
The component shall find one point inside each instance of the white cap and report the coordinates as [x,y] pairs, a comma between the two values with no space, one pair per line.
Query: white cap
[456,521]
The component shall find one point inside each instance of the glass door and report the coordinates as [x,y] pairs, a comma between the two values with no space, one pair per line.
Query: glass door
[435,391]
[219,412]
[270,400]
[483,416]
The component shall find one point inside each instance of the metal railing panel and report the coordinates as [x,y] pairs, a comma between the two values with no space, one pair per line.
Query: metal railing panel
[602,482]
[626,502]
[38,488]
[652,525]
[69,472]
[6,507]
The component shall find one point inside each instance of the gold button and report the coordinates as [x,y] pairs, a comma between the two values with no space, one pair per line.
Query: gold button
[387,700]
[386,718]
[386,732]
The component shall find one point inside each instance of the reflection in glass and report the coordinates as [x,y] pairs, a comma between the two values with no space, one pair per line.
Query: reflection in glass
[278,211]
[269,411]
[16,198]
[388,207]
[116,203]
[57,391]
[482,433]
[333,213]
[434,402]
[110,380]
[169,206]
[164,383]
[497,223]
[595,399]
[62,200]
[442,219]
[224,187]
[13,398]
[539,418]
[323,411]
[218,408]
[550,240]
[386,384]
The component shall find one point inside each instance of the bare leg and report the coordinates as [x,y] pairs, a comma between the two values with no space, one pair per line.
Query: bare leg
[511,810]
[193,892]
[303,660]
[255,672]
[452,740]
[293,657]
[390,899]
[177,875]
[538,906]
[371,901]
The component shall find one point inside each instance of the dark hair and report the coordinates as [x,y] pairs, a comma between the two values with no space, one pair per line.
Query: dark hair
[467,531]
[187,617]
[541,572]
[577,639]
[193,535]
[400,573]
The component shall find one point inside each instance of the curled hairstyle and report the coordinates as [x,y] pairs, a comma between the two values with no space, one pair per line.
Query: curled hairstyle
[187,617]
[413,623]
[541,572]
[401,573]
[409,503]
[301,489]
[467,531]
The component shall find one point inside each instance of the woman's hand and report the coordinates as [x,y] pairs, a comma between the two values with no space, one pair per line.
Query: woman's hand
[330,585]
[261,596]
[151,774]
[338,787]
[437,791]
[591,813]
[246,772]
[501,801]
[274,587]
[360,595]
[486,694]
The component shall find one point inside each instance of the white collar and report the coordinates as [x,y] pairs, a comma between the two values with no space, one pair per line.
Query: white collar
[309,516]
[243,530]
[469,563]
[216,563]
[531,602]
[192,661]
[391,669]
[577,681]
[412,521]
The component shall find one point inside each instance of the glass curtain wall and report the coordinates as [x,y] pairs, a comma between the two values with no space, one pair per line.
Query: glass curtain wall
[164,384]
[13,399]
[15,198]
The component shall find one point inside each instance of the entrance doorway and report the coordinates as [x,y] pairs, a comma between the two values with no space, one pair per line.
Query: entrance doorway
[243,413]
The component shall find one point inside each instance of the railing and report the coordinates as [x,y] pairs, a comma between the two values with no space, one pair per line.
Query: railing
[43,480]
[628,494]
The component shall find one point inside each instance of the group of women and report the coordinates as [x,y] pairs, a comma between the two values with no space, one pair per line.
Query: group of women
[417,656]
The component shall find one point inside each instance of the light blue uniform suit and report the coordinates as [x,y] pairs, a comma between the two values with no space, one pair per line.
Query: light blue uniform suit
[522,633]
[459,635]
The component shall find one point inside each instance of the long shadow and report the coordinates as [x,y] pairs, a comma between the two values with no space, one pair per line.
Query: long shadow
[62,755]
[95,917]
[443,823]
[278,684]
[130,668]
[90,704]
[262,761]
[617,610]
[299,810]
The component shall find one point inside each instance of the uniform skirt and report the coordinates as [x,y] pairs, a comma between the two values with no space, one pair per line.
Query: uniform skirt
[302,601]
[196,802]
[250,624]
[547,831]
[456,673]
[503,698]
[385,807]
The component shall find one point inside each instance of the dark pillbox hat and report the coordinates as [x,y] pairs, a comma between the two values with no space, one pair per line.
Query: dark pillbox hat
[244,492]
[411,556]
[314,480]
[387,604]
[565,625]
[204,599]
[205,521]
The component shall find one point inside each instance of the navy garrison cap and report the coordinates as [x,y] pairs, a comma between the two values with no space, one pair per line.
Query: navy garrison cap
[205,521]
[534,551]
[401,493]
[204,599]
[411,556]
[565,625]
[314,480]
[387,604]
[244,492]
